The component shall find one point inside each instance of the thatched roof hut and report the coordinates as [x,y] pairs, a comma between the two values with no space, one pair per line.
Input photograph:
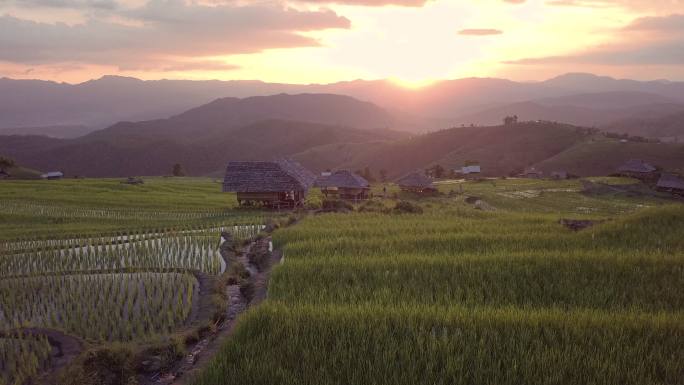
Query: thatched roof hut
[671,182]
[342,179]
[280,183]
[416,182]
[532,172]
[562,174]
[344,184]
[637,166]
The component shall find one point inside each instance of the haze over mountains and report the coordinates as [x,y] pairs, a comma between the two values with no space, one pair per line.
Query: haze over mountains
[351,125]
[581,99]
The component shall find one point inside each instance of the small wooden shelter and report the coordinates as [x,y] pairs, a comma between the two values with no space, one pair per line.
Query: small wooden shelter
[52,175]
[532,172]
[343,184]
[277,184]
[636,166]
[416,182]
[559,175]
[671,183]
[471,169]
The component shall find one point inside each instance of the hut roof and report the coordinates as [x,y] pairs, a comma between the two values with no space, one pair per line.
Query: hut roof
[415,179]
[53,174]
[259,176]
[671,181]
[533,171]
[636,165]
[342,179]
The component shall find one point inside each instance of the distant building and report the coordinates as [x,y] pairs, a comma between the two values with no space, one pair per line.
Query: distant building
[52,175]
[637,168]
[416,182]
[277,184]
[559,175]
[532,172]
[4,174]
[471,169]
[134,181]
[671,183]
[343,184]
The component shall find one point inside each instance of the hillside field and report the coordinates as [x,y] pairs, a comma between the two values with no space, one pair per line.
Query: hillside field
[457,295]
[453,295]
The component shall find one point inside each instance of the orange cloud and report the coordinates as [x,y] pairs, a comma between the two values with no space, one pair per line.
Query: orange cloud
[480,32]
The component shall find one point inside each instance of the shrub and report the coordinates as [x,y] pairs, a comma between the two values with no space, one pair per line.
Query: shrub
[407,207]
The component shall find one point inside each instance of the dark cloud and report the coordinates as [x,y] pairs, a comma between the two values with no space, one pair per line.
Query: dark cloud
[480,32]
[167,28]
[646,41]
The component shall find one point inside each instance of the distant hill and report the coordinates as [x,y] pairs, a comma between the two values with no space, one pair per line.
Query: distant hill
[665,126]
[124,155]
[499,149]
[603,157]
[102,102]
[62,132]
[634,113]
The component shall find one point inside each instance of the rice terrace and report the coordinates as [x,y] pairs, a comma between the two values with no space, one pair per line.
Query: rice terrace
[153,281]
[342,192]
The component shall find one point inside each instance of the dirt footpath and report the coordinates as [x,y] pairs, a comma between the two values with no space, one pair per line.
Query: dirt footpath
[202,352]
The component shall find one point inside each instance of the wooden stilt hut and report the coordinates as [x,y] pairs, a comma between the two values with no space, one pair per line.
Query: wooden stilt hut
[416,182]
[277,184]
[344,184]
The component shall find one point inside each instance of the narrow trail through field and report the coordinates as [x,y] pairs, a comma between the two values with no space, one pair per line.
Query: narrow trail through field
[202,352]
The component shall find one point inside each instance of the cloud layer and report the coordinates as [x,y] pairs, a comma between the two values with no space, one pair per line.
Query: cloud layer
[162,34]
[646,41]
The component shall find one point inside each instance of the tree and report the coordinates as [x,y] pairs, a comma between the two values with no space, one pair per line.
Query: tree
[436,171]
[510,120]
[383,175]
[178,170]
[6,163]
[368,175]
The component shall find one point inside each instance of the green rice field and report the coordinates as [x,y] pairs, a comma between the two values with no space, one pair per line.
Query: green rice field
[458,295]
[106,262]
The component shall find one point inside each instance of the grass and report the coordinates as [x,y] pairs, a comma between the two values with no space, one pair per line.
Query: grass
[112,263]
[62,208]
[137,305]
[462,296]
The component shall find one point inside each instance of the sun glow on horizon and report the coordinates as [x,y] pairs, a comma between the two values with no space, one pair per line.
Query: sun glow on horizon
[305,43]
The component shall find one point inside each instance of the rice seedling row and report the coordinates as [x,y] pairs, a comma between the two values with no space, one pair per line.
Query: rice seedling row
[22,357]
[194,249]
[104,307]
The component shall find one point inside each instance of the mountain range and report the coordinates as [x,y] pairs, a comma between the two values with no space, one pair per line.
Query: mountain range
[323,131]
[580,99]
[398,130]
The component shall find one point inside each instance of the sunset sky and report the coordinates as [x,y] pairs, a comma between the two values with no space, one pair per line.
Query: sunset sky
[412,42]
